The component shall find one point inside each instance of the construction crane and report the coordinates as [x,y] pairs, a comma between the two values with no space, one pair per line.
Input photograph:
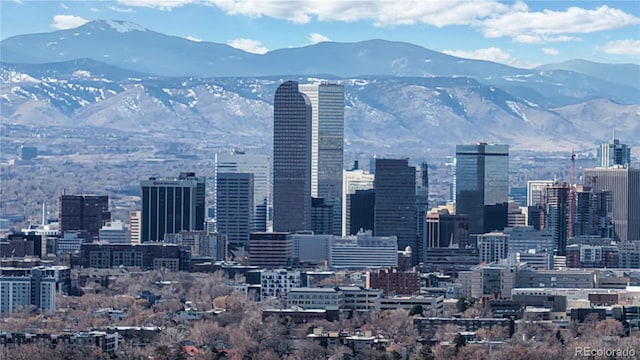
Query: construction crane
[571,195]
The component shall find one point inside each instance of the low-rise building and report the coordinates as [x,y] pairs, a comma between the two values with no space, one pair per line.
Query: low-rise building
[363,251]
[38,286]
[430,304]
[277,283]
[394,282]
[425,325]
[315,298]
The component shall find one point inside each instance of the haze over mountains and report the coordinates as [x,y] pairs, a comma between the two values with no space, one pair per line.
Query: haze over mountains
[400,98]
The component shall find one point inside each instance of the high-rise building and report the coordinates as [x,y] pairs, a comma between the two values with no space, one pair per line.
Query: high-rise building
[493,246]
[556,211]
[612,154]
[234,207]
[482,185]
[135,218]
[624,185]
[270,250]
[238,161]
[395,202]
[535,191]
[422,206]
[362,211]
[37,286]
[291,159]
[83,212]
[172,205]
[321,216]
[445,230]
[327,145]
[354,180]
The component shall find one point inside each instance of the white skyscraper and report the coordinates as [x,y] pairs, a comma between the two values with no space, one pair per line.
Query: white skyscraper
[327,145]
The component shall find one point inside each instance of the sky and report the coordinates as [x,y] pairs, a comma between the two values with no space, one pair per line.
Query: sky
[521,33]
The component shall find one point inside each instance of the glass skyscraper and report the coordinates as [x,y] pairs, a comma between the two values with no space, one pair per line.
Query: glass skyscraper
[234,207]
[482,185]
[291,159]
[610,155]
[327,145]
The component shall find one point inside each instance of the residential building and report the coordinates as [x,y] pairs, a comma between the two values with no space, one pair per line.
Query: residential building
[201,243]
[426,324]
[589,257]
[147,256]
[535,191]
[556,209]
[277,283]
[135,218]
[492,246]
[292,132]
[629,254]
[327,142]
[482,185]
[393,282]
[395,202]
[37,286]
[83,212]
[234,207]
[171,206]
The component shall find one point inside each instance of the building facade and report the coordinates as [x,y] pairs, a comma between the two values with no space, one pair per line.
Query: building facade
[171,206]
[83,212]
[270,250]
[38,286]
[353,181]
[292,147]
[614,154]
[234,207]
[363,251]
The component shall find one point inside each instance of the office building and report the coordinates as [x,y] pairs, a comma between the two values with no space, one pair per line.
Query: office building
[523,239]
[591,257]
[270,250]
[395,202]
[37,286]
[322,216]
[315,298]
[327,142]
[494,281]
[238,161]
[556,209]
[430,304]
[535,191]
[114,232]
[147,256]
[422,208]
[83,212]
[624,185]
[363,251]
[135,218]
[353,181]
[450,260]
[577,279]
[629,254]
[171,206]
[361,211]
[201,243]
[445,229]
[614,154]
[311,248]
[482,185]
[234,207]
[492,246]
[292,147]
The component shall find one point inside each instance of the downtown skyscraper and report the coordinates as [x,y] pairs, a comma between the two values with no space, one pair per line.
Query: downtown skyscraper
[327,145]
[292,146]
[482,185]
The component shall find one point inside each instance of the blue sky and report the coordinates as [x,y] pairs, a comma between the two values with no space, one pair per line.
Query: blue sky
[523,33]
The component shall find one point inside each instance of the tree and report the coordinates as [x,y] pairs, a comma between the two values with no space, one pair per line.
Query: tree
[459,341]
[416,310]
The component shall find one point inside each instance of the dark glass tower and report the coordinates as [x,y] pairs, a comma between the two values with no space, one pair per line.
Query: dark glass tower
[172,205]
[83,212]
[557,215]
[395,202]
[482,186]
[291,159]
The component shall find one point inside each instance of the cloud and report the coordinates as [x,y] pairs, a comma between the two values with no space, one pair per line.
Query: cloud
[316,38]
[490,54]
[64,6]
[167,5]
[550,51]
[194,39]
[68,21]
[94,9]
[248,45]
[621,47]
[554,26]
[119,9]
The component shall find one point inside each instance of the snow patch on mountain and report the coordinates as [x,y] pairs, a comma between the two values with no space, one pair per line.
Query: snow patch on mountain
[124,26]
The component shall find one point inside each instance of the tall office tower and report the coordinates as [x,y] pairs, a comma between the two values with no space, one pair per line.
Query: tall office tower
[171,205]
[135,218]
[482,185]
[624,185]
[610,155]
[422,205]
[535,191]
[353,180]
[395,203]
[234,207]
[291,159]
[321,216]
[238,161]
[602,214]
[361,211]
[557,215]
[83,212]
[447,230]
[327,145]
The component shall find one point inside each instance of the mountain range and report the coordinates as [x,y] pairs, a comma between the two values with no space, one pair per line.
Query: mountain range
[399,97]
